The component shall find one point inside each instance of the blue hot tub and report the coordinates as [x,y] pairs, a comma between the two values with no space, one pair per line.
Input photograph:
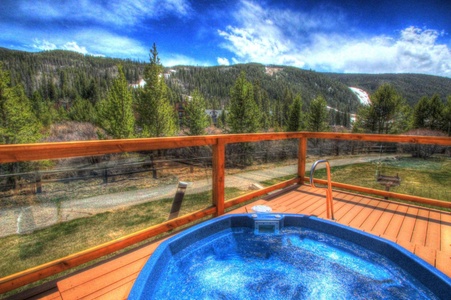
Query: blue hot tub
[272,256]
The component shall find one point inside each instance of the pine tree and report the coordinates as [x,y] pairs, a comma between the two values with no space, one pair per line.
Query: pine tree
[44,110]
[345,120]
[296,116]
[195,119]
[436,113]
[338,118]
[386,107]
[384,104]
[243,115]
[261,98]
[116,111]
[447,117]
[288,99]
[82,110]
[402,120]
[318,115]
[18,123]
[156,115]
[92,92]
[222,120]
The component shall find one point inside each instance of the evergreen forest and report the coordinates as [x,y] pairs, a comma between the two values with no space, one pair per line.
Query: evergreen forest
[53,87]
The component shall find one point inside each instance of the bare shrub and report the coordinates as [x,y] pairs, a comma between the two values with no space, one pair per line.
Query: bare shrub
[73,131]
[76,131]
[423,150]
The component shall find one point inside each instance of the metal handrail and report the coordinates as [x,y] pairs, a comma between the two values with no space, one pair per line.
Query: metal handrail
[329,198]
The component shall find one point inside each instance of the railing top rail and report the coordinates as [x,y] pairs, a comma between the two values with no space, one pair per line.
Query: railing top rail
[386,138]
[40,151]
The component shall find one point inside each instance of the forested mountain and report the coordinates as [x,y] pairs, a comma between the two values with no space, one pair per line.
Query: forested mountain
[64,76]
[411,86]
[276,81]
[45,89]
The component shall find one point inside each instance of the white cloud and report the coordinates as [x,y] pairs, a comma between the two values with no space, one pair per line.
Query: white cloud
[70,46]
[114,12]
[251,45]
[223,61]
[414,51]
[181,60]
[272,36]
[73,46]
[43,45]
[95,42]
[106,43]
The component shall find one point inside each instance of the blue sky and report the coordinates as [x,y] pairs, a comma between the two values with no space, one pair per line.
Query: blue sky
[350,36]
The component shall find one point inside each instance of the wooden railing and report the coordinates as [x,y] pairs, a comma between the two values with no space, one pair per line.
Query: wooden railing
[44,151]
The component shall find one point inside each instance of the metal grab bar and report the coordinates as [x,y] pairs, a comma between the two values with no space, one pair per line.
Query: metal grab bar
[329,199]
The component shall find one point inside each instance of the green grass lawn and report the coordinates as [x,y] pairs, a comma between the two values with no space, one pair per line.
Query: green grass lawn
[429,178]
[20,252]
[424,178]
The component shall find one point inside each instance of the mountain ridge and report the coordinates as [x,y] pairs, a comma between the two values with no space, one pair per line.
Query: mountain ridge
[412,86]
[71,74]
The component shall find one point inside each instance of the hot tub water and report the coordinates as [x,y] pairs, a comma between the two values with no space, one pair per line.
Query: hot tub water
[294,262]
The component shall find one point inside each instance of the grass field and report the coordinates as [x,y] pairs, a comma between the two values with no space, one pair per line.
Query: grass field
[429,178]
[424,178]
[20,252]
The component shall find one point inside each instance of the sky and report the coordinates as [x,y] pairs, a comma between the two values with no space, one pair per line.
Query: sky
[343,36]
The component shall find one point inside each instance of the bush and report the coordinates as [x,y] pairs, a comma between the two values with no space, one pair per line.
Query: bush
[423,150]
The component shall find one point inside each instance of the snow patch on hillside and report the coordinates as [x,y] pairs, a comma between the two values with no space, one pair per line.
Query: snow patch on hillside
[272,70]
[140,84]
[362,95]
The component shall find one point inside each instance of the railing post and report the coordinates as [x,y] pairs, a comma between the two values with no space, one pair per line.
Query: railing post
[218,176]
[38,183]
[302,154]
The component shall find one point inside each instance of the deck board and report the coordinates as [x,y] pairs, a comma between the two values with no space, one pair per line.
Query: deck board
[301,201]
[342,206]
[97,284]
[364,214]
[375,215]
[53,296]
[426,253]
[115,275]
[433,231]
[347,216]
[443,262]
[117,290]
[386,217]
[425,232]
[114,265]
[393,228]
[405,233]
[445,236]
[309,204]
[421,227]
[121,292]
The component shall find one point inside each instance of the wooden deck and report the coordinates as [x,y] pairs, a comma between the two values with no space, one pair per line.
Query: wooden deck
[425,232]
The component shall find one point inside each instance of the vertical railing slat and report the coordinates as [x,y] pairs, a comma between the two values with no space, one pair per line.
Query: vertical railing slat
[302,155]
[218,176]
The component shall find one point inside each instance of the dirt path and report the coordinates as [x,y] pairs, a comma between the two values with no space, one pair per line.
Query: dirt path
[27,219]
